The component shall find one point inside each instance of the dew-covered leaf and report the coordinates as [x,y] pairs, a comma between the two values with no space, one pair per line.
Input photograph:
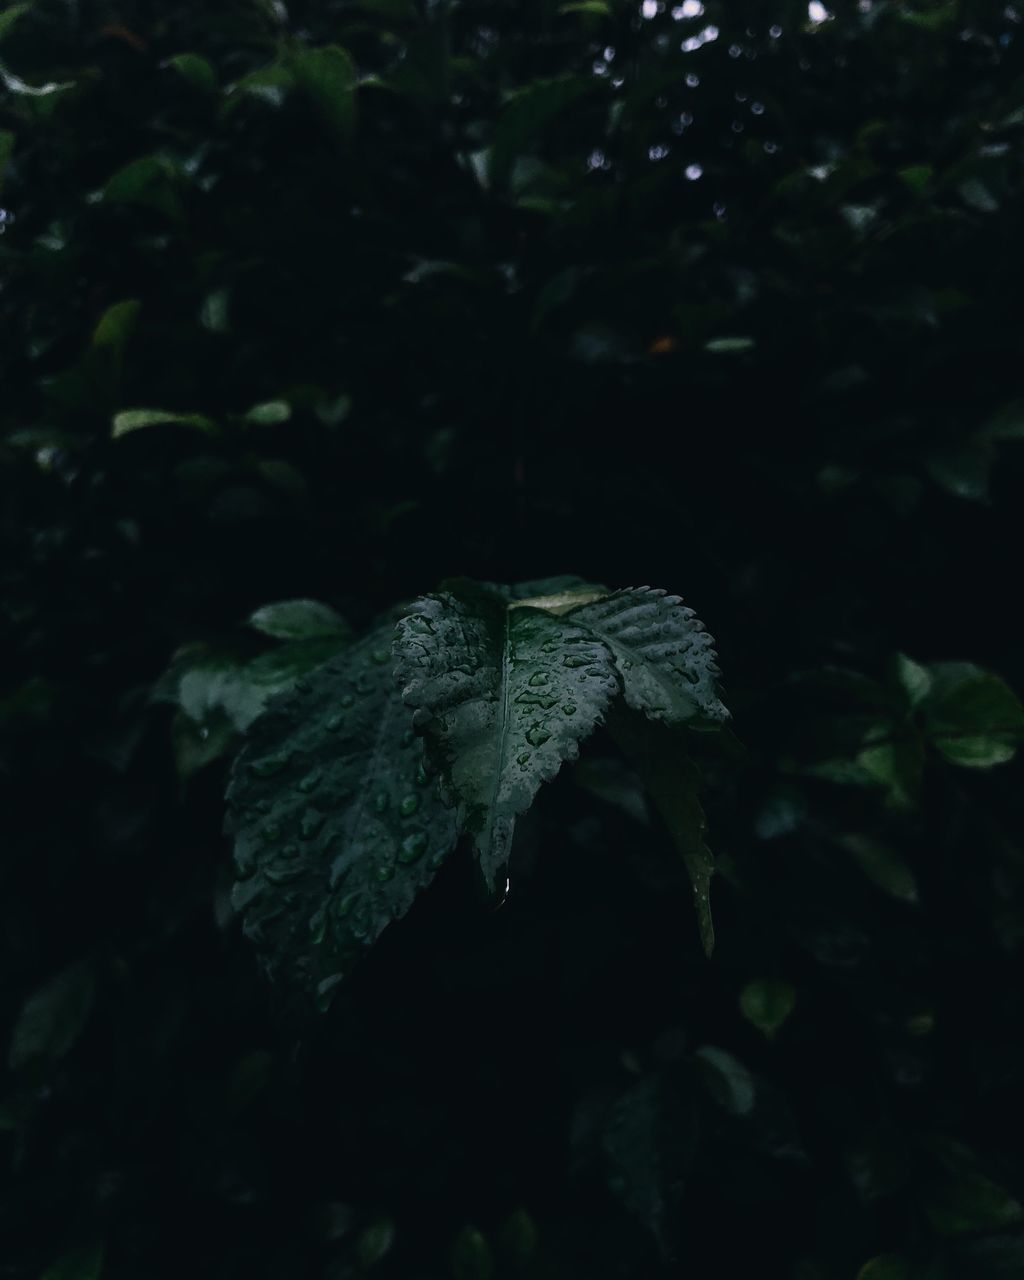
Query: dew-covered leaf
[664,655]
[504,695]
[337,824]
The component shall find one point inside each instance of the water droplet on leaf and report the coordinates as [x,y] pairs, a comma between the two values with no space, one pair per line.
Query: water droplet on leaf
[413,847]
[270,764]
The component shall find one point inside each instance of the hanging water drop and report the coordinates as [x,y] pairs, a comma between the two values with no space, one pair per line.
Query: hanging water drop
[413,847]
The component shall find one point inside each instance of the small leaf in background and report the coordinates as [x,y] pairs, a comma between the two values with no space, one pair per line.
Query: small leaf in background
[527,111]
[648,1142]
[882,866]
[375,1242]
[85,1263]
[327,76]
[878,1162]
[214,312]
[729,346]
[53,1017]
[1007,423]
[897,766]
[917,176]
[270,413]
[960,1198]
[517,1243]
[657,752]
[194,68]
[913,679]
[129,420]
[299,620]
[115,327]
[975,193]
[332,412]
[10,17]
[728,1080]
[767,1003]
[971,716]
[887,1266]
[471,1257]
[149,182]
[270,85]
[963,470]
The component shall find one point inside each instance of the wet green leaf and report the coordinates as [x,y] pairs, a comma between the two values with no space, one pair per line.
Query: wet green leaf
[665,658]
[504,695]
[337,827]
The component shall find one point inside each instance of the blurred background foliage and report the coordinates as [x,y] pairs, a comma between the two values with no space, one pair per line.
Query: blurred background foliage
[330,299]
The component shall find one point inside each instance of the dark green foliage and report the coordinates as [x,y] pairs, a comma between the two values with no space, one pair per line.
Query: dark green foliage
[325,301]
[337,816]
